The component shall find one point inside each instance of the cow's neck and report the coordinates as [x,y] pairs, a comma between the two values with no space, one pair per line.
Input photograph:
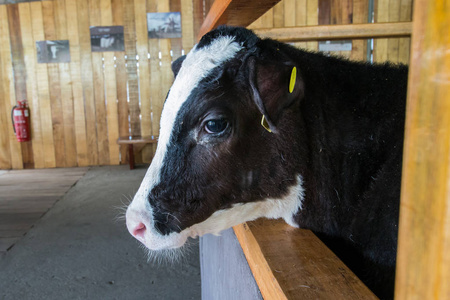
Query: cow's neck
[342,158]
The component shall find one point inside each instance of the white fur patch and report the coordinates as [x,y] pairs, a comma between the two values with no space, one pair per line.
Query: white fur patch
[285,208]
[197,65]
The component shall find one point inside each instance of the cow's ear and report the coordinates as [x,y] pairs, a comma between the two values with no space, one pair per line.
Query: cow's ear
[275,86]
[176,65]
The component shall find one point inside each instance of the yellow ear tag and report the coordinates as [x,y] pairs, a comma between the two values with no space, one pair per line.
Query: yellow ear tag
[293,77]
[265,124]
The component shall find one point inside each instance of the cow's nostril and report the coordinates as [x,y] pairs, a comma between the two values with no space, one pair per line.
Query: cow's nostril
[139,230]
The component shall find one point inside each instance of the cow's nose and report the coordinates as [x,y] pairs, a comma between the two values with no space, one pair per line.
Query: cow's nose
[139,230]
[136,226]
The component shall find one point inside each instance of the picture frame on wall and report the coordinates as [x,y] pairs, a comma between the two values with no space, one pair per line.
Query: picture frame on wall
[53,51]
[107,38]
[164,25]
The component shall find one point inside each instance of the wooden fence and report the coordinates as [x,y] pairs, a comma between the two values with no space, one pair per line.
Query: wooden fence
[79,109]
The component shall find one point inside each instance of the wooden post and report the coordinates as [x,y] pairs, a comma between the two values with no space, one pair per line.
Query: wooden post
[423,264]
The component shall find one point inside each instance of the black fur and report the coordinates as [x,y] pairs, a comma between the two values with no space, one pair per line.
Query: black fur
[341,129]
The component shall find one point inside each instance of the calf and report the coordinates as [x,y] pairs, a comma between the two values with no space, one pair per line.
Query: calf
[256,128]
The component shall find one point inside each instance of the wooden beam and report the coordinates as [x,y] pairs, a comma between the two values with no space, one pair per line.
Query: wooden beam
[337,32]
[292,263]
[234,13]
[423,259]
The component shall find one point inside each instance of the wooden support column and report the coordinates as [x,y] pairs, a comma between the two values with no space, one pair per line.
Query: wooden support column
[423,263]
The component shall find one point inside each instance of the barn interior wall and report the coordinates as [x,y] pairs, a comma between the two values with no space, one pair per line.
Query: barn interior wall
[289,13]
[79,109]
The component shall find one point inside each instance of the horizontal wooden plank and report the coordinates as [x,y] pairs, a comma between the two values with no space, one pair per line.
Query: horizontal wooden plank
[292,263]
[337,32]
[234,13]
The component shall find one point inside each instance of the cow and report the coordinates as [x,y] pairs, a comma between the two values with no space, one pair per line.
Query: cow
[254,128]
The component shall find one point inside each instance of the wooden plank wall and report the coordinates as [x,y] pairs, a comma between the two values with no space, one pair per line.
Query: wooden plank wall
[79,109]
[289,13]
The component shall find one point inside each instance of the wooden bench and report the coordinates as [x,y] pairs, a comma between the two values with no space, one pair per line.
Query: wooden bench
[135,140]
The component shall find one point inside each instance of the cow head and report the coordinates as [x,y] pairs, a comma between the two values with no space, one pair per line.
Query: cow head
[215,165]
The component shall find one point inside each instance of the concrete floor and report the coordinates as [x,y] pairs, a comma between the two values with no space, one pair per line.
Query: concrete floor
[78,250]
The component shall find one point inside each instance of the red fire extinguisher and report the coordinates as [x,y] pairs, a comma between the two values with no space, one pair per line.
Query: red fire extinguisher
[20,116]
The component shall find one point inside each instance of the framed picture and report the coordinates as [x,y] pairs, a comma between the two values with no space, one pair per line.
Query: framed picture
[53,51]
[164,25]
[107,38]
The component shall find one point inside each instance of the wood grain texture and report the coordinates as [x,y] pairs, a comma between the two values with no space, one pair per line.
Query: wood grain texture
[121,82]
[278,15]
[132,72]
[100,108]
[19,70]
[187,22]
[130,51]
[289,13]
[346,11]
[198,14]
[142,43]
[66,88]
[110,89]
[45,110]
[87,81]
[360,16]
[99,89]
[5,117]
[165,64]
[380,49]
[77,87]
[312,18]
[324,12]
[267,19]
[17,52]
[423,259]
[393,43]
[70,107]
[235,13]
[10,87]
[31,83]
[336,32]
[265,278]
[405,43]
[155,78]
[176,44]
[301,18]
[54,87]
[291,263]
[78,109]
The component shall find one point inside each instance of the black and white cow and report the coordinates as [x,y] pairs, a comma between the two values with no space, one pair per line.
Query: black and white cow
[329,158]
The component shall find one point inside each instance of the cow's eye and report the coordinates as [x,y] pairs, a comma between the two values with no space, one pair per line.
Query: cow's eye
[216,125]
